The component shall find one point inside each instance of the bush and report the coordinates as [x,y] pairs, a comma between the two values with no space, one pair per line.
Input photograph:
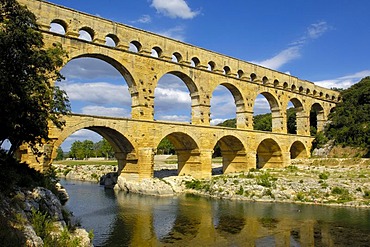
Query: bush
[324,175]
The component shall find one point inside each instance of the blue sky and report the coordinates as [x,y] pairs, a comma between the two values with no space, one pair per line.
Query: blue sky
[326,42]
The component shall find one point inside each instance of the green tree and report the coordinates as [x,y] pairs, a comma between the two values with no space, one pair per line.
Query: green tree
[106,149]
[231,123]
[349,123]
[28,99]
[292,121]
[60,154]
[166,146]
[262,122]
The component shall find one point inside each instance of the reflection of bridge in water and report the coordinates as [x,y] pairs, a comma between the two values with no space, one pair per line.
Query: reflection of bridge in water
[192,221]
[135,140]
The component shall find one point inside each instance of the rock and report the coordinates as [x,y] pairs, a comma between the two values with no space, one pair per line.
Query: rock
[146,187]
[83,235]
[109,180]
[62,193]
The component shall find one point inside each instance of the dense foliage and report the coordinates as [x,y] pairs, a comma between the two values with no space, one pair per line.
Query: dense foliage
[86,149]
[28,99]
[350,120]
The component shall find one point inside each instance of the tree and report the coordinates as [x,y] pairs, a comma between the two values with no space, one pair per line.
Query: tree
[262,122]
[349,123]
[166,146]
[60,154]
[28,99]
[292,121]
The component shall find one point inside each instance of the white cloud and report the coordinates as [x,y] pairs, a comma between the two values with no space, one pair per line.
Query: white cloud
[217,121]
[97,93]
[105,111]
[177,33]
[174,8]
[143,19]
[344,81]
[171,95]
[313,32]
[175,118]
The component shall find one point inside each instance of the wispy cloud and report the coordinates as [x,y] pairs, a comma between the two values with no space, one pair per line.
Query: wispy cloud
[344,81]
[97,93]
[177,33]
[143,19]
[174,8]
[313,32]
[105,111]
[175,118]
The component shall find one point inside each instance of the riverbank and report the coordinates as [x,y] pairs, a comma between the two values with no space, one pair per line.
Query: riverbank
[36,217]
[343,182]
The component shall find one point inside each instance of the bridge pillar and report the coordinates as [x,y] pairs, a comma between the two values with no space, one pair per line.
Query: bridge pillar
[200,114]
[195,163]
[303,123]
[244,120]
[251,159]
[234,161]
[278,125]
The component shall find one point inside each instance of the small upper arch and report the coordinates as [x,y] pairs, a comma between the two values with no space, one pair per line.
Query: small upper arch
[86,33]
[58,26]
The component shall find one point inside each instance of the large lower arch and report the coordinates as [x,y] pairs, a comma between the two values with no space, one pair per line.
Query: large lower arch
[125,152]
[269,154]
[233,154]
[298,150]
[187,152]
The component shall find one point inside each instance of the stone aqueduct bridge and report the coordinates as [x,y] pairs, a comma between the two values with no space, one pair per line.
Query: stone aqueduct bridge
[135,140]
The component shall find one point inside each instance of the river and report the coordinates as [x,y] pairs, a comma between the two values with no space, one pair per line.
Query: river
[120,219]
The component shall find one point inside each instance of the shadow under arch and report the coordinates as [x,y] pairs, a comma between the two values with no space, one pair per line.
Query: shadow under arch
[187,152]
[298,150]
[275,108]
[238,100]
[233,154]
[121,145]
[269,154]
[317,118]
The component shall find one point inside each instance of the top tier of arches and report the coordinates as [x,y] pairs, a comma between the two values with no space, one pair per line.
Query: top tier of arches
[118,36]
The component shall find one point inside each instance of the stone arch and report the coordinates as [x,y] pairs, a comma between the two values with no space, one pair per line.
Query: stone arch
[269,154]
[277,118]
[192,90]
[121,145]
[227,70]
[62,26]
[87,30]
[233,154]
[177,57]
[298,150]
[110,60]
[239,103]
[240,73]
[157,52]
[187,152]
[135,46]
[195,62]
[301,118]
[111,40]
[317,118]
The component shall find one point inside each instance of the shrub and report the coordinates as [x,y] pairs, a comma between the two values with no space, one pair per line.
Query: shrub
[265,180]
[300,196]
[324,175]
[366,194]
[240,191]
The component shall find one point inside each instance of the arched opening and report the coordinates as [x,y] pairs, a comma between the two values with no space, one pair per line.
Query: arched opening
[253,77]
[96,146]
[176,57]
[172,97]
[240,74]
[58,26]
[316,118]
[268,154]
[224,104]
[111,40]
[97,85]
[211,66]
[266,113]
[285,85]
[156,52]
[298,151]
[86,34]
[232,152]
[295,117]
[276,83]
[134,46]
[265,80]
[195,62]
[183,153]
[227,70]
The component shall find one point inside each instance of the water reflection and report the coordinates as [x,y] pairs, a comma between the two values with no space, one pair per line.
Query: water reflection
[136,220]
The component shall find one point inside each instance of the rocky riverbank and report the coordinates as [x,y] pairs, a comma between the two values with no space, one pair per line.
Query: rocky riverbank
[344,182]
[36,218]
